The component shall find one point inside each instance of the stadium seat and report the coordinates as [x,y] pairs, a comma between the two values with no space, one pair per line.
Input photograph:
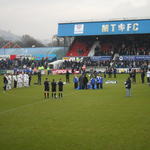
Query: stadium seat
[79,48]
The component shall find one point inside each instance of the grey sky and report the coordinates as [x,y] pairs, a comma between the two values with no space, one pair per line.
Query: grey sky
[39,18]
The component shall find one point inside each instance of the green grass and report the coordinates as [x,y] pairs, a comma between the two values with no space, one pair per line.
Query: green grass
[82,120]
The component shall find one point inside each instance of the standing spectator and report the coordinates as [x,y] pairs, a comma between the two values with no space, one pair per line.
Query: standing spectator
[72,70]
[115,71]
[142,76]
[101,82]
[128,87]
[67,76]
[105,73]
[134,76]
[109,72]
[39,77]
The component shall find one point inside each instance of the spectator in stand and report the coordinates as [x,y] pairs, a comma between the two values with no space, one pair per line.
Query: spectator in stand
[22,63]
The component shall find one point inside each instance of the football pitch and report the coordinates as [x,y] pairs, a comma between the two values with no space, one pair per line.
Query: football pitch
[82,120]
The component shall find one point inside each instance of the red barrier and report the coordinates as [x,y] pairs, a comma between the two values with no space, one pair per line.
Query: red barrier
[12,57]
[63,71]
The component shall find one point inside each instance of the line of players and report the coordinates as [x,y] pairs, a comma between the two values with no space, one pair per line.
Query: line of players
[95,82]
[53,88]
[18,80]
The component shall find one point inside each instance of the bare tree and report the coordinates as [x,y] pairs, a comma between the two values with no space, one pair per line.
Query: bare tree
[29,41]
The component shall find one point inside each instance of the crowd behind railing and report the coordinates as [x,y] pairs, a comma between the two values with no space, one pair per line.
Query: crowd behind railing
[105,63]
[23,63]
[7,64]
[132,64]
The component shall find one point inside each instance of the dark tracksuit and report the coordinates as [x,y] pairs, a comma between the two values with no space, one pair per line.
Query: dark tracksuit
[60,88]
[53,85]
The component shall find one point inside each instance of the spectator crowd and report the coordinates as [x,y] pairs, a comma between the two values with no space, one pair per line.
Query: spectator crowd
[22,63]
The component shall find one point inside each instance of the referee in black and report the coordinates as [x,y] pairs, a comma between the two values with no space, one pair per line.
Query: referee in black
[60,89]
[46,88]
[53,86]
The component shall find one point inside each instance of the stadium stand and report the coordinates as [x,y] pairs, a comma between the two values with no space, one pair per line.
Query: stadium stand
[108,46]
[80,47]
